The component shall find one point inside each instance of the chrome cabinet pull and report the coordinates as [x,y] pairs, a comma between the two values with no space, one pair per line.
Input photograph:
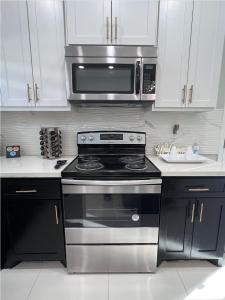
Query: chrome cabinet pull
[198,189]
[26,191]
[201,213]
[193,213]
[36,93]
[190,94]
[184,91]
[29,97]
[116,29]
[56,215]
[107,29]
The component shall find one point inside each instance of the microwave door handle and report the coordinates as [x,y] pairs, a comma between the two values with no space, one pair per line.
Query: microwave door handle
[137,77]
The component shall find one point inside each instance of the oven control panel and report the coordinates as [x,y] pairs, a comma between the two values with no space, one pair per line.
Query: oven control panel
[111,137]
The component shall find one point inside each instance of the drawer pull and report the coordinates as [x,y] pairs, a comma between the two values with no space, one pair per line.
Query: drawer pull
[56,215]
[201,213]
[198,190]
[26,191]
[193,213]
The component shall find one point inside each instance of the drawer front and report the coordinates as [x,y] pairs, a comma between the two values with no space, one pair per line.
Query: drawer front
[194,185]
[143,235]
[111,258]
[35,188]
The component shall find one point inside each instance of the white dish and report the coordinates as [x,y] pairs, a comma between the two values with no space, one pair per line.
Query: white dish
[181,158]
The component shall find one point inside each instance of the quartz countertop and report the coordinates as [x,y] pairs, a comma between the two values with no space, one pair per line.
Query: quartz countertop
[31,166]
[36,166]
[209,168]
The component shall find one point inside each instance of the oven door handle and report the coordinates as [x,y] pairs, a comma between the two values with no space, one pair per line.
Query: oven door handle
[112,182]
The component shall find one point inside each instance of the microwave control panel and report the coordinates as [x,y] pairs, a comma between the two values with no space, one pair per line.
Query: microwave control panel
[149,71]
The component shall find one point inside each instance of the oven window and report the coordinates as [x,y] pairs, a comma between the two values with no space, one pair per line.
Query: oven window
[103,78]
[111,210]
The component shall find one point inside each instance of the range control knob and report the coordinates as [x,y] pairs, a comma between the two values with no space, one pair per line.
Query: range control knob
[83,138]
[132,138]
[139,138]
[91,138]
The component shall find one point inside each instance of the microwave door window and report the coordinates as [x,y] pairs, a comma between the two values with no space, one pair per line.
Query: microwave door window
[103,78]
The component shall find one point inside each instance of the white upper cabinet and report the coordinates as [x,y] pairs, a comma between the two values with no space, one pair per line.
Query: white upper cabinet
[206,53]
[172,63]
[124,22]
[32,56]
[134,22]
[88,21]
[16,70]
[190,47]
[48,54]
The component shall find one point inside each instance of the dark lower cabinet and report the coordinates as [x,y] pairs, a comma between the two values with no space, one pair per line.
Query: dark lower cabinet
[209,228]
[33,226]
[192,222]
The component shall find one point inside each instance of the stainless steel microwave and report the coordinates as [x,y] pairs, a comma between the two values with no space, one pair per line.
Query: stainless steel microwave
[111,73]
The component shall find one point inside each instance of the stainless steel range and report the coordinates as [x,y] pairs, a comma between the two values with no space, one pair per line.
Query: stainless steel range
[111,198]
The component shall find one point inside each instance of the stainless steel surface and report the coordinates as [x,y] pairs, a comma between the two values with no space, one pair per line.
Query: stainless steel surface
[100,96]
[201,213]
[147,97]
[116,31]
[111,258]
[27,191]
[56,214]
[86,182]
[116,187]
[198,189]
[190,94]
[113,235]
[193,213]
[36,93]
[184,94]
[94,137]
[110,51]
[107,29]
[29,97]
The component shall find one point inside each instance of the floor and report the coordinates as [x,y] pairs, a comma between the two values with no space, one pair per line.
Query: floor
[193,280]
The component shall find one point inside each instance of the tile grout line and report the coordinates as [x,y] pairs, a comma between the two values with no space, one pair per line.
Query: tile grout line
[28,296]
[181,279]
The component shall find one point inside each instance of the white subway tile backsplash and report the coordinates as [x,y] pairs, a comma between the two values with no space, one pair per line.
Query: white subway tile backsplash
[23,127]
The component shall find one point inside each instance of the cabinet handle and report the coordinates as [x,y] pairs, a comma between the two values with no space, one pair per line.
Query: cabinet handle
[198,189]
[36,93]
[116,29]
[184,90]
[107,29]
[26,191]
[193,213]
[56,215]
[201,213]
[190,94]
[29,97]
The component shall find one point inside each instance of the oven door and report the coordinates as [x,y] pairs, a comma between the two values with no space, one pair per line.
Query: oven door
[107,78]
[122,214]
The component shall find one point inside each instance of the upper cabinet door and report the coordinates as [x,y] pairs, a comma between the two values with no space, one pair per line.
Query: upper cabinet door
[134,22]
[16,69]
[173,51]
[88,21]
[47,46]
[207,42]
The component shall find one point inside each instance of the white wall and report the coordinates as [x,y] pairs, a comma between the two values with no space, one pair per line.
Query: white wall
[23,127]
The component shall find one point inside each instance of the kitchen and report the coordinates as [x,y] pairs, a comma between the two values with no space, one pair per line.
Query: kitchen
[120,97]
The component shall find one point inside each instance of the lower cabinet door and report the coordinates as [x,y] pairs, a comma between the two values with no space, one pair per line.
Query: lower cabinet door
[176,225]
[209,229]
[33,226]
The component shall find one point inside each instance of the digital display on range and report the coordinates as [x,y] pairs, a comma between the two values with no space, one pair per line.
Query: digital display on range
[111,137]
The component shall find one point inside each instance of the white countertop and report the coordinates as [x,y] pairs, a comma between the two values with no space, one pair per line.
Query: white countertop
[36,166]
[209,168]
[31,166]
